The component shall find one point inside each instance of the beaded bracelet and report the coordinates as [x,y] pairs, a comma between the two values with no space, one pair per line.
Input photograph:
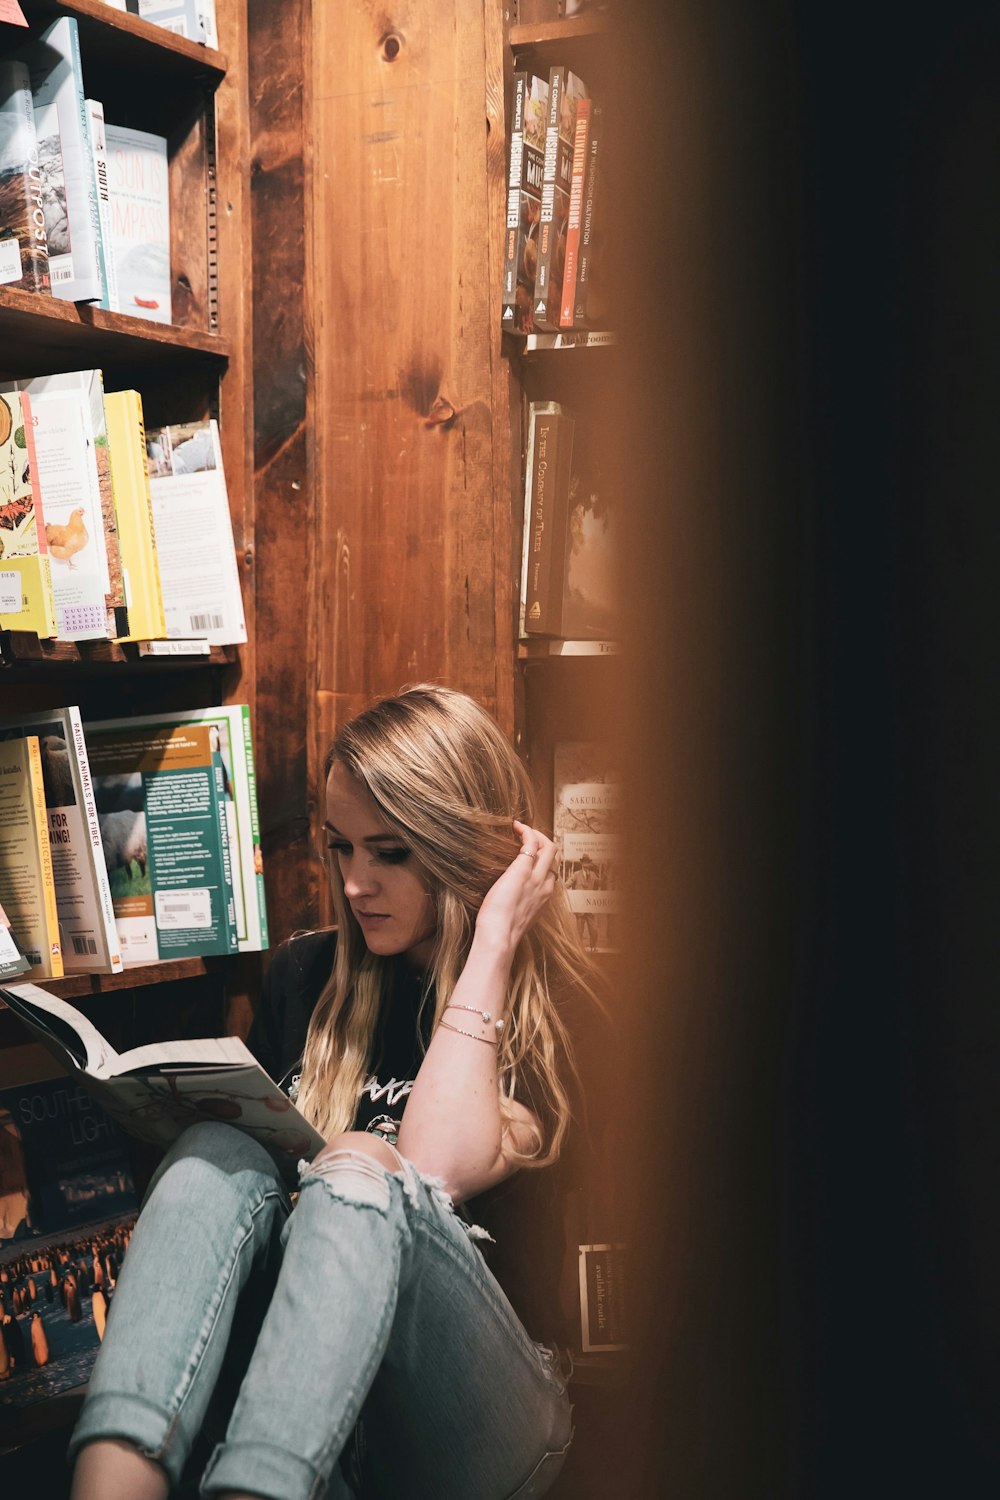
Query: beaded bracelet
[473,1010]
[462,1032]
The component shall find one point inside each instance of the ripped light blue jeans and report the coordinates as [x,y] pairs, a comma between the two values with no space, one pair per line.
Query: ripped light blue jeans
[378,1307]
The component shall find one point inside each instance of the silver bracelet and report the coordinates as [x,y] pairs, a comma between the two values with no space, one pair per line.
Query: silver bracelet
[473,1010]
[462,1032]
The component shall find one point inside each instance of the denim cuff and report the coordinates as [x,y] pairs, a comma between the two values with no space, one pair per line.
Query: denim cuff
[117,1414]
[260,1467]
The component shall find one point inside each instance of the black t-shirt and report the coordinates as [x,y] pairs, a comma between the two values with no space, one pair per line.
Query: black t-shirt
[525,1215]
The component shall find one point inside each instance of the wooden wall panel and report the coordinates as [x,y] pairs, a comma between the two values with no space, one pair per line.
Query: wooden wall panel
[405,306]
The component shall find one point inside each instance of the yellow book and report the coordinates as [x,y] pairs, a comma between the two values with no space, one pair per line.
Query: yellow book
[134,510]
[26,599]
[27,885]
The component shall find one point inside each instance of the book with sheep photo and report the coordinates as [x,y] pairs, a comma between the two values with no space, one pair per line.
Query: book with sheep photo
[83,894]
[160,793]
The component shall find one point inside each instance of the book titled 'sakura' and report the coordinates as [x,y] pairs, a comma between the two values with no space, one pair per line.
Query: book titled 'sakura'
[24,249]
[139,190]
[160,793]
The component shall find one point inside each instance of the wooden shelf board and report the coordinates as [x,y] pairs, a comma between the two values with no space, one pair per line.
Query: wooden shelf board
[544,343]
[21,651]
[542,650]
[553,34]
[133,977]
[41,335]
[124,38]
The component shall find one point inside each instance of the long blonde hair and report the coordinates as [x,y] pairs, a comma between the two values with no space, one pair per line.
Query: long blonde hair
[446,780]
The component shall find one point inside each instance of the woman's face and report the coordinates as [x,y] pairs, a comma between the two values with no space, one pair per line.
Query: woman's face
[384,885]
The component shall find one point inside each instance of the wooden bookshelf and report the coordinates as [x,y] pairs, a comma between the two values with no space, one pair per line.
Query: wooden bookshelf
[22,653]
[133,977]
[127,41]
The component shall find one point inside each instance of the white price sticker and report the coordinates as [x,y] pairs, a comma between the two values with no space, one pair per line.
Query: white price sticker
[183,909]
[8,948]
[10,261]
[11,601]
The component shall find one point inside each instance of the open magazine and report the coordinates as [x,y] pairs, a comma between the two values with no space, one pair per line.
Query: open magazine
[158,1090]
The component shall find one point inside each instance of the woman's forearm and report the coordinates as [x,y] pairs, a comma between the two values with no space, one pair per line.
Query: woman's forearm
[452,1127]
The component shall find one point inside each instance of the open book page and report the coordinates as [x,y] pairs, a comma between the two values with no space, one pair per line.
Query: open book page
[190,1052]
[74,1040]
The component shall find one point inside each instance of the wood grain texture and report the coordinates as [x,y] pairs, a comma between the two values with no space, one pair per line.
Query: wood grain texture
[403,275]
[286,579]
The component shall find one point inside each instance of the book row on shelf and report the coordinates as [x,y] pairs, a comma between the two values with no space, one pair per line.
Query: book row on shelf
[554,274]
[194,19]
[84,202]
[127,841]
[110,531]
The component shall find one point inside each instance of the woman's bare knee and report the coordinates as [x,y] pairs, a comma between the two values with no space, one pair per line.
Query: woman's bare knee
[362,1142]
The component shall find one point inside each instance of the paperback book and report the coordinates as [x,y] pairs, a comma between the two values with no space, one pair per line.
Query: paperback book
[88,933]
[574,217]
[27,888]
[194,19]
[12,959]
[63,422]
[587,832]
[229,728]
[26,598]
[57,1292]
[24,250]
[524,192]
[194,534]
[565,91]
[156,1091]
[549,455]
[139,190]
[102,187]
[160,793]
[591,301]
[72,216]
[133,508]
[603,1306]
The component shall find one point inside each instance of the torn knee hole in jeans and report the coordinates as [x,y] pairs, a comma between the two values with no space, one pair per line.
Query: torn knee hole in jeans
[350,1175]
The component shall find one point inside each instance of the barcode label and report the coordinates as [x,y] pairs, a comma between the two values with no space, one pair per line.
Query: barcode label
[60,273]
[183,908]
[83,946]
[206,622]
[10,260]
[33,956]
[10,593]
[178,26]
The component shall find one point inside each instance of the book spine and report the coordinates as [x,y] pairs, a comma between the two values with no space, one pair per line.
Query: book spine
[79,278]
[50,918]
[580,319]
[24,253]
[547,209]
[512,237]
[99,151]
[134,509]
[258,866]
[83,782]
[228,893]
[574,218]
[545,540]
[46,604]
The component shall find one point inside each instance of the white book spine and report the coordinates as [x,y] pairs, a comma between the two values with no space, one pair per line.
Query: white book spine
[98,865]
[99,151]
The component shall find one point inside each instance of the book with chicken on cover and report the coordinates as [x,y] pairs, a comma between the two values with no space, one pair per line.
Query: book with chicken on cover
[156,1091]
[64,409]
[26,599]
[83,894]
[27,888]
[24,247]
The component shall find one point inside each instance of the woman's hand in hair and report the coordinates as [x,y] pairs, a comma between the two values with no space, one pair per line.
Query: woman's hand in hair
[513,902]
